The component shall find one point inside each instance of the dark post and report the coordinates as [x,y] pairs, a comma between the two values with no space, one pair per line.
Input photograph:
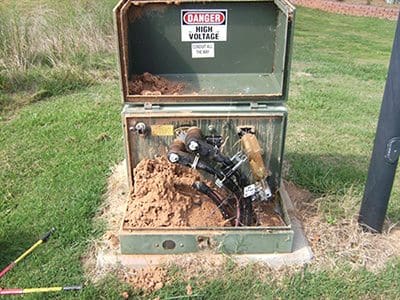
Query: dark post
[386,150]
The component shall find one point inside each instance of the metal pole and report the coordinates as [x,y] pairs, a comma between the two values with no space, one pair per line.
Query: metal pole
[386,150]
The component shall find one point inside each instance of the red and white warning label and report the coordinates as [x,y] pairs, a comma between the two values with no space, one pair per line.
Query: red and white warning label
[204,25]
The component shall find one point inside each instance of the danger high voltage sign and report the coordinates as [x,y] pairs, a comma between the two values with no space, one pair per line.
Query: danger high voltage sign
[204,25]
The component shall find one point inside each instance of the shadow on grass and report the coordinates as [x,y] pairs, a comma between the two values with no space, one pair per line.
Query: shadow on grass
[14,244]
[327,173]
[338,177]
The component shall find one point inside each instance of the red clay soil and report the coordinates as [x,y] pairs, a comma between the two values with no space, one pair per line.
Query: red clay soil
[163,197]
[148,84]
[266,215]
[377,9]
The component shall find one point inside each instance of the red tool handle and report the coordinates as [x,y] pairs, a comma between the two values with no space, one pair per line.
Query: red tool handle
[11,291]
[6,269]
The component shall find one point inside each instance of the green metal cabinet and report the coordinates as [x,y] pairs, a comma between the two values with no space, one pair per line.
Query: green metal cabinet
[249,63]
[233,58]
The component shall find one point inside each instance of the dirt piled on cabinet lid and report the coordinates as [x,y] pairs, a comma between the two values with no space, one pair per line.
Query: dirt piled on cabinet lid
[148,84]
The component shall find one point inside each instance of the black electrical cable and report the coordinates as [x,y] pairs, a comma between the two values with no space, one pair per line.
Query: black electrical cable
[177,154]
[195,143]
[248,215]
[206,190]
[187,159]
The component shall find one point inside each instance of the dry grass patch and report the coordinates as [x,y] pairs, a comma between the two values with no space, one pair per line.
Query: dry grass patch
[343,241]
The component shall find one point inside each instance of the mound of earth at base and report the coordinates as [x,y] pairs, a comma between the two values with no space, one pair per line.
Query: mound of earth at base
[163,197]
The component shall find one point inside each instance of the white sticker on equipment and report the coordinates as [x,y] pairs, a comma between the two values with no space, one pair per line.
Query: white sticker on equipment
[249,190]
[204,25]
[203,50]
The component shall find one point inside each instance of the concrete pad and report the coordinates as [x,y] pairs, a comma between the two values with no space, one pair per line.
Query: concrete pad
[300,255]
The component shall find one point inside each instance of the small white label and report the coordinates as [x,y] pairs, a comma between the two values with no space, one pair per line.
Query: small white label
[204,25]
[249,190]
[203,50]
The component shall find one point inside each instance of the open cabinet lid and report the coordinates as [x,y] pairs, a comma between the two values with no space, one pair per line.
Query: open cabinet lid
[200,52]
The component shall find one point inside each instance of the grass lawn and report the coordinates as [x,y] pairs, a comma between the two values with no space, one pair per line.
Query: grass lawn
[60,137]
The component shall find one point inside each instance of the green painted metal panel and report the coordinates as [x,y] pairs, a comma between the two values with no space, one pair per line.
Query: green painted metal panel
[155,40]
[251,65]
[255,242]
[269,124]
[153,243]
[229,240]
[244,242]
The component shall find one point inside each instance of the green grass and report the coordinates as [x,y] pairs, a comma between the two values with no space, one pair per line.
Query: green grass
[50,48]
[342,283]
[338,76]
[54,164]
[55,160]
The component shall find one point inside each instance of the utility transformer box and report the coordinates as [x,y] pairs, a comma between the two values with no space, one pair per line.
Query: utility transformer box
[204,89]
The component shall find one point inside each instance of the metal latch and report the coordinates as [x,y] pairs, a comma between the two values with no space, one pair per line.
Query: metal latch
[255,105]
[150,106]
[393,150]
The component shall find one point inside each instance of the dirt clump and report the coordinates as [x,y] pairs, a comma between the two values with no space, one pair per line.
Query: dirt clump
[148,279]
[163,197]
[148,84]
[266,214]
